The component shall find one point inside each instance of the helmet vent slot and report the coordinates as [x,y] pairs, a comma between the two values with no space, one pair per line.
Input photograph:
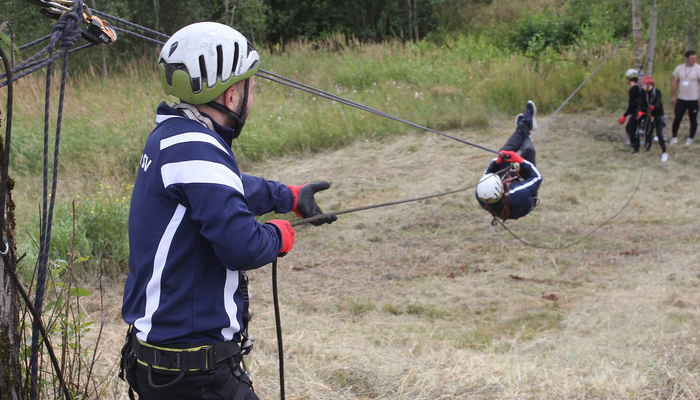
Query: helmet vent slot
[235,60]
[203,70]
[219,61]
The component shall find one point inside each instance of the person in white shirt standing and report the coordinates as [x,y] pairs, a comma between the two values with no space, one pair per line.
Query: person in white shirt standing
[686,79]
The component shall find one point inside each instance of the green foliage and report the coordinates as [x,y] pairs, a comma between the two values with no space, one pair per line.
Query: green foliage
[534,33]
[98,234]
[67,326]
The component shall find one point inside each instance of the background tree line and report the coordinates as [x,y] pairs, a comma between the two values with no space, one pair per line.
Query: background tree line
[512,25]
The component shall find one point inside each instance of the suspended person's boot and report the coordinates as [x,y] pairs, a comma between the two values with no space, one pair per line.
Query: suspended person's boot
[518,119]
[530,106]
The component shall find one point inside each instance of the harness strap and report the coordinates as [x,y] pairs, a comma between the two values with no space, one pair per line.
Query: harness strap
[509,176]
[205,357]
[191,112]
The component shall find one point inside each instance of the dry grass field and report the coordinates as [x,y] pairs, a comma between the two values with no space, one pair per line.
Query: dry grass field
[428,300]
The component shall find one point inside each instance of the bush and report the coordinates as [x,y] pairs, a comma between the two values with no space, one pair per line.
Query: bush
[101,230]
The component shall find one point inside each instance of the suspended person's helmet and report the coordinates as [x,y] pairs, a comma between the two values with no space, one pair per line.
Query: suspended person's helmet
[632,73]
[490,188]
[201,61]
[648,80]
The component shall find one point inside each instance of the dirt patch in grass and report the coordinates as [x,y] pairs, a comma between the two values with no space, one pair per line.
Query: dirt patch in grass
[417,301]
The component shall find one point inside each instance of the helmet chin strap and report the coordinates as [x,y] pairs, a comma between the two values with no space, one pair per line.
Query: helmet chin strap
[240,119]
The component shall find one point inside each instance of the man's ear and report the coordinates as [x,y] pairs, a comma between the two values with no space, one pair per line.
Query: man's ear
[231,98]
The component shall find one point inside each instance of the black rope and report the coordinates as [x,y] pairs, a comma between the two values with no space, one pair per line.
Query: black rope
[391,203]
[581,85]
[278,326]
[639,183]
[67,30]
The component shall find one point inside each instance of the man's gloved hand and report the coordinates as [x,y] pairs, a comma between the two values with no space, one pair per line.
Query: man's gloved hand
[622,120]
[640,114]
[305,205]
[509,156]
[287,235]
[651,108]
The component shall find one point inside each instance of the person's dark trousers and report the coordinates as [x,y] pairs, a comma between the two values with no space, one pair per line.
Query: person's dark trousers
[656,126]
[219,383]
[679,110]
[631,126]
[520,139]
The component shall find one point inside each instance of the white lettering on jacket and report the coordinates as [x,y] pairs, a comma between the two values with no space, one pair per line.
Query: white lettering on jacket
[145,162]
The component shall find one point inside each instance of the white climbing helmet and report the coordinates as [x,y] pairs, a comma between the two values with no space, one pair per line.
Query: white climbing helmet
[202,60]
[490,188]
[631,73]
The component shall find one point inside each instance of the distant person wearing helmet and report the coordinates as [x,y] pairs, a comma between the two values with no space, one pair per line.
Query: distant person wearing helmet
[650,106]
[192,227]
[686,79]
[632,78]
[502,196]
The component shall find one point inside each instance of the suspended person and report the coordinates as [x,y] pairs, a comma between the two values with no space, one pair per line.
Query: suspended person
[509,197]
[650,106]
[192,227]
[633,99]
[686,78]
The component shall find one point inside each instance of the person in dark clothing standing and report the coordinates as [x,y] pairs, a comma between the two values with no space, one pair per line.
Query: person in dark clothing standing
[508,198]
[632,79]
[686,78]
[650,106]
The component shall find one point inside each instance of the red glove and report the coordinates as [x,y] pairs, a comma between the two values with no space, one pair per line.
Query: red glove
[622,120]
[509,156]
[287,235]
[639,114]
[652,108]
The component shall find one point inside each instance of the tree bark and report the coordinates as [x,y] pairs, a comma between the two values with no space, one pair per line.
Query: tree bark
[688,26]
[10,367]
[637,33]
[410,20]
[415,18]
[653,18]
[156,14]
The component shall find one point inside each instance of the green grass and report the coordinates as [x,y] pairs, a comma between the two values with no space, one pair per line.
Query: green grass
[465,84]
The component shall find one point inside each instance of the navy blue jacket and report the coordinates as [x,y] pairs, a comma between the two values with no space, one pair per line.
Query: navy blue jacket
[192,228]
[520,202]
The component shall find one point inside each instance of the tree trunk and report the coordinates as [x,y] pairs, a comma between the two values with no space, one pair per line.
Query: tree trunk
[105,72]
[653,17]
[637,33]
[156,12]
[227,19]
[410,20]
[10,367]
[415,18]
[688,25]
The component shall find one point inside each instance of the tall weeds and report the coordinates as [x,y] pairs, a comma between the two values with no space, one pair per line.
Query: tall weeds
[466,83]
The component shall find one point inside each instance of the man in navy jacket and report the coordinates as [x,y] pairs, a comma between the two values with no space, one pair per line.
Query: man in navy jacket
[512,198]
[192,226]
